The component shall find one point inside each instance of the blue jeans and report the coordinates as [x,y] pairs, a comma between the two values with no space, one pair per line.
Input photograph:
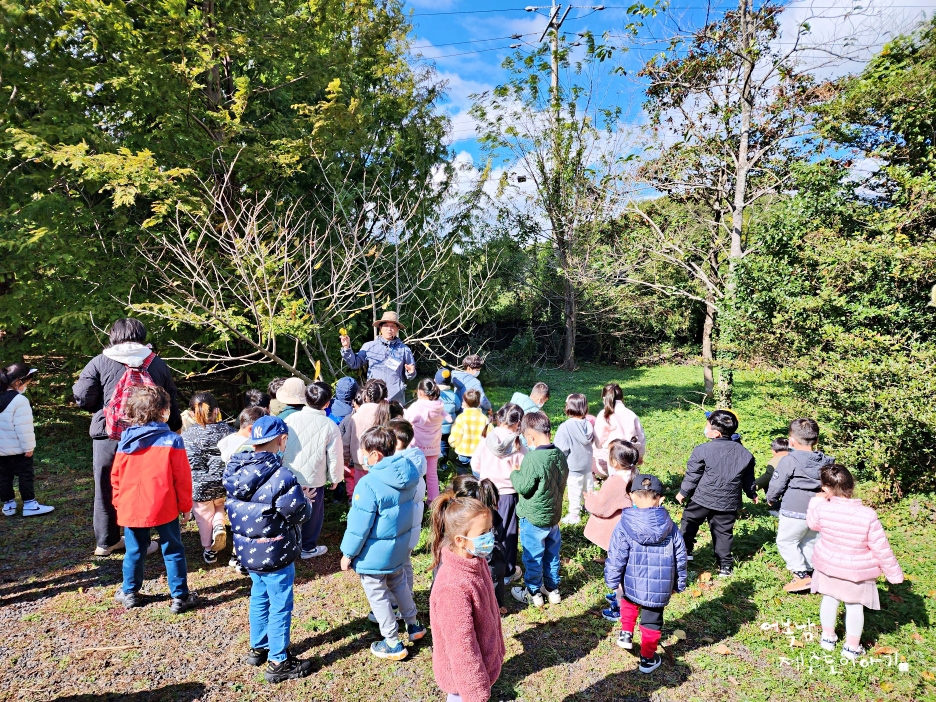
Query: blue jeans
[540,555]
[137,541]
[462,464]
[271,605]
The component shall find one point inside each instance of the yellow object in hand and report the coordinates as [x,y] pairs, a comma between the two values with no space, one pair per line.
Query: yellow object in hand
[343,331]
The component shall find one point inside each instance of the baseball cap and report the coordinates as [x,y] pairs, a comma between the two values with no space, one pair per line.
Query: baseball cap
[442,376]
[645,481]
[266,429]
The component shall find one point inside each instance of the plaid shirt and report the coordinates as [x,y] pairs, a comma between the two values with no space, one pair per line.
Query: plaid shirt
[467,430]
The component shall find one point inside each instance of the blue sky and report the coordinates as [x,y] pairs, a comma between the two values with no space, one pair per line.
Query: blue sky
[468,39]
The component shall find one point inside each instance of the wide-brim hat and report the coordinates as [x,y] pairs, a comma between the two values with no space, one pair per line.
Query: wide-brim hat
[389,317]
[292,392]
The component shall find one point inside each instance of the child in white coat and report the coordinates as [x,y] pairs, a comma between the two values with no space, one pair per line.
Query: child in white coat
[17,442]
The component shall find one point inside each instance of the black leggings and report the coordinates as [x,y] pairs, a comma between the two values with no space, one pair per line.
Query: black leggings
[18,466]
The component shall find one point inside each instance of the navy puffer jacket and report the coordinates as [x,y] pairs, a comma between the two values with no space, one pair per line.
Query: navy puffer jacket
[647,551]
[266,506]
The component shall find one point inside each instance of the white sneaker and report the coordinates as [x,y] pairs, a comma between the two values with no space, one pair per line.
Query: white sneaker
[9,508]
[522,594]
[517,574]
[553,595]
[315,552]
[119,546]
[571,519]
[152,548]
[33,508]
[219,534]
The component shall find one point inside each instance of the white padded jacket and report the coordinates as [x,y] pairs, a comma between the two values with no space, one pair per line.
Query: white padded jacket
[17,435]
[313,450]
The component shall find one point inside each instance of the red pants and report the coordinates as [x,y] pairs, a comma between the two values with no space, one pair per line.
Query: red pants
[351,477]
[651,622]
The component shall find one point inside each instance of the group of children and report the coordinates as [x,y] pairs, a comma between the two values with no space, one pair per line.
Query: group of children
[270,476]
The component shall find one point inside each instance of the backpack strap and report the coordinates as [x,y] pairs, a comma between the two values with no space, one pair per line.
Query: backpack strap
[148,361]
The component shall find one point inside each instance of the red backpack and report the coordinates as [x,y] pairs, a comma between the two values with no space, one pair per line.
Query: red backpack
[115,418]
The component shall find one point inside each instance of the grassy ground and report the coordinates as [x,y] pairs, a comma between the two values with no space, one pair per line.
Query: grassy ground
[65,639]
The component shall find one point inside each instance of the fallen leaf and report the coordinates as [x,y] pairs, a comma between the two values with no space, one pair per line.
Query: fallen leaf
[708,639]
[697,592]
[885,650]
[916,636]
[796,643]
[680,635]
[722,649]
[895,598]
[886,686]
[931,593]
[733,680]
[705,577]
[575,630]
[927,676]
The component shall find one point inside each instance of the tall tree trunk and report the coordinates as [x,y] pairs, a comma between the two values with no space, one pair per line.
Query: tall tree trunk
[569,313]
[708,357]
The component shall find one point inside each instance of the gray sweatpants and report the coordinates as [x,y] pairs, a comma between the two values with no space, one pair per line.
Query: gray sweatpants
[795,542]
[378,588]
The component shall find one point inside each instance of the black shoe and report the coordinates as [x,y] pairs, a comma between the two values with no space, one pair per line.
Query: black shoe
[626,640]
[180,605]
[290,669]
[648,665]
[128,599]
[725,571]
[256,656]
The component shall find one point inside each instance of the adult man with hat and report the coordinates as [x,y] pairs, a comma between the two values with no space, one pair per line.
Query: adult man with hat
[387,358]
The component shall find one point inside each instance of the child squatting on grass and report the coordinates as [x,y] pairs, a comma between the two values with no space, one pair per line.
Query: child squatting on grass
[850,555]
[468,643]
[647,557]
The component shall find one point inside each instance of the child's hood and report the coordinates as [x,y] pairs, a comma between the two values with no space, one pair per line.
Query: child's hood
[431,409]
[396,471]
[501,441]
[647,526]
[417,458]
[248,471]
[142,437]
[810,462]
[130,353]
[345,389]
[580,430]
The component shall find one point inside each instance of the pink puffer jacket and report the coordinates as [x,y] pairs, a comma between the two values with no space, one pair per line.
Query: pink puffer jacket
[852,545]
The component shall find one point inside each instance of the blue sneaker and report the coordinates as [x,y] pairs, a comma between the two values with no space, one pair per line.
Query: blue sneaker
[612,614]
[416,631]
[382,649]
[611,597]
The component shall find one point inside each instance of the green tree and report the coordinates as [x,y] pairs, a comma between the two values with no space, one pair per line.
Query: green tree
[113,115]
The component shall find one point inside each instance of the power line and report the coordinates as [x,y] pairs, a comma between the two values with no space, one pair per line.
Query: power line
[475,41]
[468,12]
[463,53]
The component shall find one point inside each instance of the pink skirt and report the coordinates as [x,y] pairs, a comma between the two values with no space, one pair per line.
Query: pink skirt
[847,591]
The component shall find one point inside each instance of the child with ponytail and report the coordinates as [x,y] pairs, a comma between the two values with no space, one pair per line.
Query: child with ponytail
[468,643]
[495,459]
[204,456]
[606,505]
[485,492]
[850,555]
[427,414]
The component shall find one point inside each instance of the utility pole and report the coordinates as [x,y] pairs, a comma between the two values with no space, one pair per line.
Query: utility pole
[555,24]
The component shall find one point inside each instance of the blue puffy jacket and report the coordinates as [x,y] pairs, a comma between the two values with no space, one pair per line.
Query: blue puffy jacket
[452,405]
[381,517]
[648,551]
[266,506]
